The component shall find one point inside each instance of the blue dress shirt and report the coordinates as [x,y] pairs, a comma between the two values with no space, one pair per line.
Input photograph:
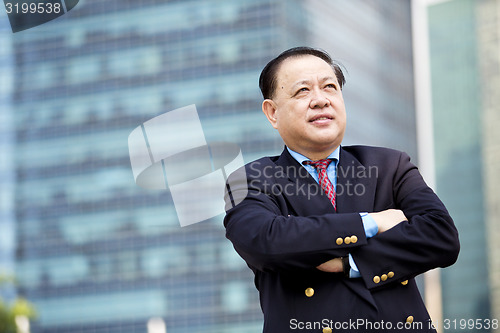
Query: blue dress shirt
[369,223]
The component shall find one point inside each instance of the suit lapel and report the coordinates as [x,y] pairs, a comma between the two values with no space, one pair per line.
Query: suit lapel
[355,185]
[300,189]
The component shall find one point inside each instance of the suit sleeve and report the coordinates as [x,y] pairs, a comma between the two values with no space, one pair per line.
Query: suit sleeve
[427,240]
[267,235]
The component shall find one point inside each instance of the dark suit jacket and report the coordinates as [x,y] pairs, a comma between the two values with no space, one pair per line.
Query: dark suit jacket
[282,224]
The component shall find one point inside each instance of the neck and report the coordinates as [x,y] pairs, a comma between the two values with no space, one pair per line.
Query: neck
[315,155]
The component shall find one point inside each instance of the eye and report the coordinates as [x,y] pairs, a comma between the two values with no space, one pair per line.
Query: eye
[301,90]
[331,85]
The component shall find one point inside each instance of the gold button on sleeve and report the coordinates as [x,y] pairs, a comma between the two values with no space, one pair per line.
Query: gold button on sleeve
[347,240]
[390,275]
[327,330]
[354,239]
[309,292]
[404,283]
[376,279]
[339,241]
[409,319]
[383,277]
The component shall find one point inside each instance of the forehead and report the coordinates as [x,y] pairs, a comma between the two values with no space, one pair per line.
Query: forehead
[304,67]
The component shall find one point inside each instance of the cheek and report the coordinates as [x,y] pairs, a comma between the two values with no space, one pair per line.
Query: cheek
[340,108]
[282,121]
[342,115]
[286,124]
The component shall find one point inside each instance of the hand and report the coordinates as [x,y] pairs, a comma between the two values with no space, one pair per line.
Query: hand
[388,218]
[332,266]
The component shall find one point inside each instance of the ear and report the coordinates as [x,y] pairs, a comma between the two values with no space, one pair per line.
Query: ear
[269,108]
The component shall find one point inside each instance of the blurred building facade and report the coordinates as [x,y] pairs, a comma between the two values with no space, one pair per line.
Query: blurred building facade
[94,252]
[464,60]
[488,36]
[7,178]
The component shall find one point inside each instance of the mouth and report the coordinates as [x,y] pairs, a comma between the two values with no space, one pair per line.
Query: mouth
[321,118]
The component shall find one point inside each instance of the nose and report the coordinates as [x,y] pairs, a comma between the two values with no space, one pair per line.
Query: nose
[318,100]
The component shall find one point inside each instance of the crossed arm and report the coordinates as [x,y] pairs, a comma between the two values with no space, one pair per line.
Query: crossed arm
[270,237]
[385,220]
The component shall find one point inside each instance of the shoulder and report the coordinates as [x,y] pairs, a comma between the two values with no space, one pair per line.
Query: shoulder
[362,150]
[262,163]
[373,154]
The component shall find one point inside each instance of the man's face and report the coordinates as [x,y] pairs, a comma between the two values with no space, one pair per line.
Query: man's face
[307,107]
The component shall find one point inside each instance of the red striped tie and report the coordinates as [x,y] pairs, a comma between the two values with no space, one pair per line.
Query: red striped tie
[325,183]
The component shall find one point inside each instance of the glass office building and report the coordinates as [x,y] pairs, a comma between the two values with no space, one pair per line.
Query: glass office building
[7,178]
[459,147]
[488,37]
[96,253]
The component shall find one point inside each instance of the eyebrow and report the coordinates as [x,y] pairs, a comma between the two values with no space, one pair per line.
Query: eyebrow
[302,82]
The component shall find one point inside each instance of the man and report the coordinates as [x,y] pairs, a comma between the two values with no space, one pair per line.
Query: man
[335,235]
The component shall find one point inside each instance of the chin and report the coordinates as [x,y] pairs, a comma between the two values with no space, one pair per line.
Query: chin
[325,145]
[327,140]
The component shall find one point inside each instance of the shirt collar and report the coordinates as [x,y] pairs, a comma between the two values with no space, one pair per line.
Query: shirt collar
[301,158]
